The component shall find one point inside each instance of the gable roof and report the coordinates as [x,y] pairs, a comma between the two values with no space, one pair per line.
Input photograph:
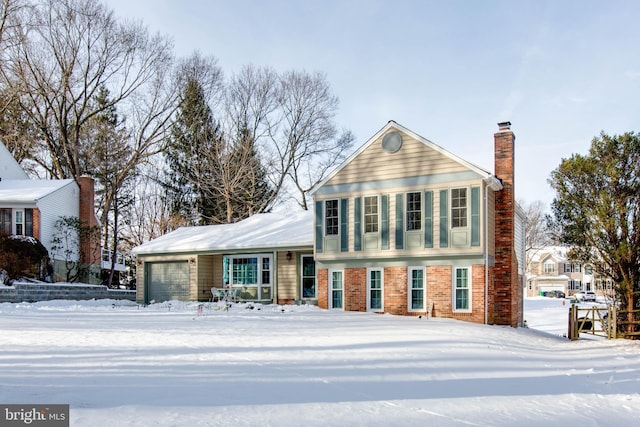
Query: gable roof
[282,230]
[493,182]
[29,190]
[9,167]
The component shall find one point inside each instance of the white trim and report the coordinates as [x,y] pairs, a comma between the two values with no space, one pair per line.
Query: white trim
[330,288]
[410,289]
[259,285]
[369,308]
[469,287]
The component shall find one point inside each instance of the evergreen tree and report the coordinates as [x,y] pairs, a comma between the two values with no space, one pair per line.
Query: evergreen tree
[190,156]
[597,212]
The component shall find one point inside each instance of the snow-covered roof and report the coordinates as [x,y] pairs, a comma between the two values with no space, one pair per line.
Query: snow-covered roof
[559,253]
[29,190]
[280,230]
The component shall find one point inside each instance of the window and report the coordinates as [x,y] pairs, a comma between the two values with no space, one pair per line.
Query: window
[5,221]
[335,295]
[28,222]
[416,289]
[375,285]
[462,289]
[371,214]
[414,211]
[575,285]
[308,277]
[331,215]
[458,207]
[19,222]
[251,277]
[549,267]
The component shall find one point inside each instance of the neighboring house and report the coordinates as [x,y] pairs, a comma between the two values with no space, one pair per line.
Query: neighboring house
[551,269]
[402,227]
[31,207]
[265,258]
[406,227]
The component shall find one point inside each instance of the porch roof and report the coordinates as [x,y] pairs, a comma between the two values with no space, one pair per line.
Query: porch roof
[281,230]
[29,190]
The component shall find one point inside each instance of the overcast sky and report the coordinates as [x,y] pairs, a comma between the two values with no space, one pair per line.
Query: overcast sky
[560,71]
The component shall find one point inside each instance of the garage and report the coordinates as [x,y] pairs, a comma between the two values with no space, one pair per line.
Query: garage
[167,281]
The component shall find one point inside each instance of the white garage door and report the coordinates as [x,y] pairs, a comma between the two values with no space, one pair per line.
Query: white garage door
[167,281]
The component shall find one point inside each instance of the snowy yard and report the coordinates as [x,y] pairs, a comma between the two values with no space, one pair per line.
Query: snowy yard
[117,364]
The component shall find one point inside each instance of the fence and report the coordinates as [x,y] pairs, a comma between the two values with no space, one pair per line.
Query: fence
[607,322]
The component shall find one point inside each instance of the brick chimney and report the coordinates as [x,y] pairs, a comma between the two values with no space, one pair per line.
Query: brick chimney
[507,291]
[90,249]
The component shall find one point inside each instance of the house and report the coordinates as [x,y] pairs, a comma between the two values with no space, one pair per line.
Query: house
[551,269]
[31,207]
[406,227]
[265,258]
[403,226]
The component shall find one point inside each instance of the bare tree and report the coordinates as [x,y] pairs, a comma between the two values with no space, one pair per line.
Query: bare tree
[537,234]
[290,120]
[70,50]
[306,142]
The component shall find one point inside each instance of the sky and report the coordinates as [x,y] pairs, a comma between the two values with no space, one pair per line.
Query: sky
[118,364]
[560,71]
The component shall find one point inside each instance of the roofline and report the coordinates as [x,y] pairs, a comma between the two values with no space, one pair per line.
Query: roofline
[37,199]
[491,180]
[228,251]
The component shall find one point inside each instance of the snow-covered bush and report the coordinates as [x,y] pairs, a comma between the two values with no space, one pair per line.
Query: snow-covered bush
[21,256]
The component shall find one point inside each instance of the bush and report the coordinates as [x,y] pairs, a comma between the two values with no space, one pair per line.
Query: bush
[21,256]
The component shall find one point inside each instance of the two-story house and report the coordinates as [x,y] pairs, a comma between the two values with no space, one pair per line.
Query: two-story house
[403,226]
[31,207]
[551,269]
[407,227]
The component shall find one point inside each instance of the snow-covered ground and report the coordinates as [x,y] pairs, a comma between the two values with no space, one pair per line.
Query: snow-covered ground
[118,364]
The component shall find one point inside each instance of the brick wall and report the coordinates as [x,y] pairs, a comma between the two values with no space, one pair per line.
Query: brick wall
[506,290]
[439,291]
[90,249]
[323,288]
[355,289]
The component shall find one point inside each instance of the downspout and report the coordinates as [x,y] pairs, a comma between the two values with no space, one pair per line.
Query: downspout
[486,253]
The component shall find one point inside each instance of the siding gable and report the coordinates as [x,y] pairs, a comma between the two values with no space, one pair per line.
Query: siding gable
[413,159]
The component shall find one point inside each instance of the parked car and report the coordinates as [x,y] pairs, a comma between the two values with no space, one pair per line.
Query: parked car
[585,296]
[555,294]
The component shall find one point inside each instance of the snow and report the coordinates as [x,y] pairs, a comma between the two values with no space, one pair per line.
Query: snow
[287,230]
[29,190]
[120,364]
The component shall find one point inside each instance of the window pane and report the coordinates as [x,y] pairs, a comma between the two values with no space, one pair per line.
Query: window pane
[414,211]
[331,214]
[28,222]
[5,219]
[336,289]
[245,271]
[417,288]
[458,207]
[462,289]
[371,214]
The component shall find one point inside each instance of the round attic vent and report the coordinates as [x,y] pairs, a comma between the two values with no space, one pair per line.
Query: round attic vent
[392,142]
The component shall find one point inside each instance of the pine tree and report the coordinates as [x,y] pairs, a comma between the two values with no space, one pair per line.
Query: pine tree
[190,156]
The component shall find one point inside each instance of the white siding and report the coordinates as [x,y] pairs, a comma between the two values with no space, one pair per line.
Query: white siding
[62,202]
[9,168]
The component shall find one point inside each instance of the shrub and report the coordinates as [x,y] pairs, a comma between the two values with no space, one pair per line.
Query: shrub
[21,256]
